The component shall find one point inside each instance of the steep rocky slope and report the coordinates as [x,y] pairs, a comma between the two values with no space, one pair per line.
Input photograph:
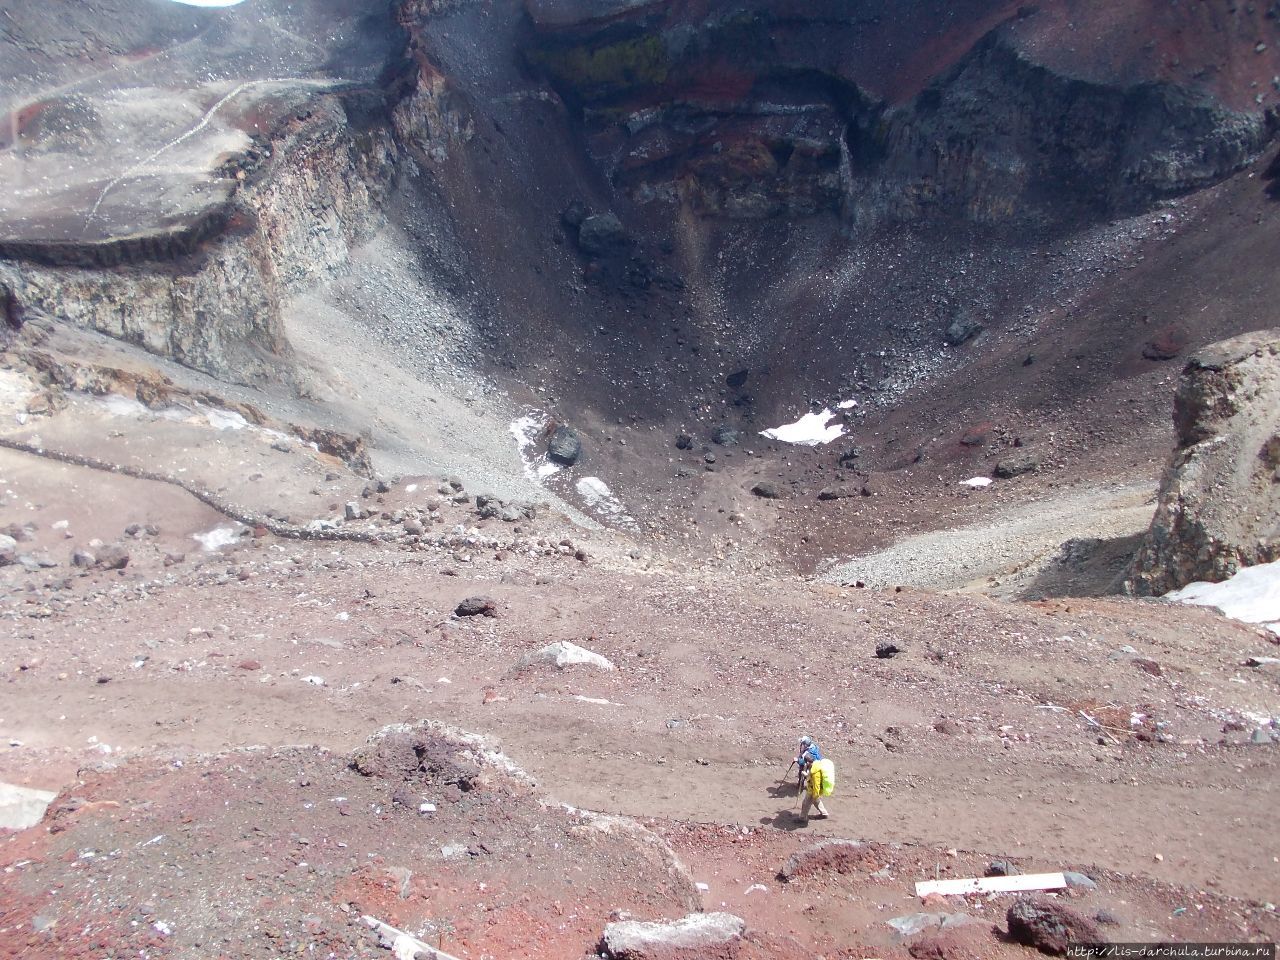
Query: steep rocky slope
[293,295]
[656,219]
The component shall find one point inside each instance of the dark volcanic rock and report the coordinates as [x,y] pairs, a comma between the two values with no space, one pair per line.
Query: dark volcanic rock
[767,490]
[961,330]
[573,215]
[1016,466]
[565,447]
[10,308]
[684,442]
[886,650]
[1049,926]
[1166,344]
[476,607]
[1220,495]
[601,235]
[850,456]
[724,435]
[842,491]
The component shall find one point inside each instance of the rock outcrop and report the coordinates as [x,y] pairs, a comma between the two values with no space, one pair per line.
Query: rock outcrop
[1219,503]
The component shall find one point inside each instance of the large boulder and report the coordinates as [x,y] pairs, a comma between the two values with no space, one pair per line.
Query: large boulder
[565,447]
[1016,466]
[1049,926]
[697,935]
[602,234]
[1219,503]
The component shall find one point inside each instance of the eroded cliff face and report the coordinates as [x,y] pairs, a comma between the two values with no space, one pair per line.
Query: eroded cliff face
[760,111]
[302,198]
[1219,503]
[692,127]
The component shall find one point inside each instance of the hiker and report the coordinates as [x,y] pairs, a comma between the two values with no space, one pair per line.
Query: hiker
[809,753]
[817,777]
[821,782]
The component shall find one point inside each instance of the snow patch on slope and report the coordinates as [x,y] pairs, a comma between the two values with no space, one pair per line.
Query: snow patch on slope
[1252,595]
[810,430]
[218,537]
[527,430]
[601,499]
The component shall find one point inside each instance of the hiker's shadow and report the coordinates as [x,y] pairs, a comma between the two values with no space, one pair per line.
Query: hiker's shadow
[788,818]
[780,790]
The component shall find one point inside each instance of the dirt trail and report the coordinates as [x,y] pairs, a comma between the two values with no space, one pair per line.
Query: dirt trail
[1007,552]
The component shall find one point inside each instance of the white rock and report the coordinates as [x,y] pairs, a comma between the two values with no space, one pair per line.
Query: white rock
[22,807]
[563,654]
[637,939]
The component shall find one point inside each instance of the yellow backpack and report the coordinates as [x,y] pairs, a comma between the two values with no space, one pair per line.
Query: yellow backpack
[822,778]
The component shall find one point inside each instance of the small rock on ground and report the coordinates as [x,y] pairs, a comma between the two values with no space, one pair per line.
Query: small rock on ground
[477,606]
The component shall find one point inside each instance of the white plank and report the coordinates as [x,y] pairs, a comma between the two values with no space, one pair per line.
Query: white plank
[405,946]
[1029,881]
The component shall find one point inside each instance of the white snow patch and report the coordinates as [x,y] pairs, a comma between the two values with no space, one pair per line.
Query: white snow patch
[209,3]
[596,700]
[844,405]
[1252,595]
[218,537]
[314,681]
[976,482]
[527,430]
[411,488]
[122,406]
[601,499]
[810,430]
[225,419]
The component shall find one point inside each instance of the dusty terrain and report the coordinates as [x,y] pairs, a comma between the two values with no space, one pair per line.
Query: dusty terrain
[296,299]
[122,686]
